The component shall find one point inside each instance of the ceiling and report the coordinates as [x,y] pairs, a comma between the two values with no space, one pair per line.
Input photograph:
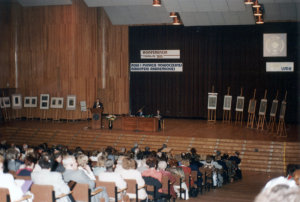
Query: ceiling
[192,12]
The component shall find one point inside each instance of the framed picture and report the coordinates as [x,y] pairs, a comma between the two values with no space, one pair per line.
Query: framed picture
[275,45]
[274,108]
[240,104]
[16,101]
[71,102]
[5,102]
[57,102]
[30,101]
[263,107]
[83,106]
[212,101]
[252,106]
[227,102]
[44,103]
[282,110]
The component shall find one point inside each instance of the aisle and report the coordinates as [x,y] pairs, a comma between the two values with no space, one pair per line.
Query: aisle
[244,190]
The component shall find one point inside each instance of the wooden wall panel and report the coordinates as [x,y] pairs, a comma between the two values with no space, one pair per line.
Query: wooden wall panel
[60,53]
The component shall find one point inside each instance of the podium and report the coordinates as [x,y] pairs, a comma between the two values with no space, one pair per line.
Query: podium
[96,118]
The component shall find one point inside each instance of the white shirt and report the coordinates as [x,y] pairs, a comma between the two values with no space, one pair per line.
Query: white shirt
[90,175]
[7,181]
[119,168]
[113,177]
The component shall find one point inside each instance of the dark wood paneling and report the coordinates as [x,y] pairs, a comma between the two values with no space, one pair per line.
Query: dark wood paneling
[223,56]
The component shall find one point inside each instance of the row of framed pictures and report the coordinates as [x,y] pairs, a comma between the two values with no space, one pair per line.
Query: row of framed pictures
[212,104]
[45,102]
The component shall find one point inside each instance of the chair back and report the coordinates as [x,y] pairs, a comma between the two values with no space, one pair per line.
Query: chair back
[110,188]
[131,186]
[81,192]
[178,180]
[194,175]
[165,182]
[43,193]
[12,172]
[153,189]
[202,170]
[97,177]
[17,177]
[4,195]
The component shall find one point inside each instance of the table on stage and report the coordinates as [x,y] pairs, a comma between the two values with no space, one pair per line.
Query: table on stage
[140,123]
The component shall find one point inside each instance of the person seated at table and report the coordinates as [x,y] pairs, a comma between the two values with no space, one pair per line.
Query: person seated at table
[98,104]
[30,162]
[140,113]
[45,177]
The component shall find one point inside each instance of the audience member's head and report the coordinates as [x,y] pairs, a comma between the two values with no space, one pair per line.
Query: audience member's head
[135,145]
[237,153]
[151,162]
[11,154]
[164,145]
[140,155]
[82,160]
[208,159]
[45,162]
[78,149]
[218,153]
[95,152]
[128,163]
[296,176]
[101,161]
[225,156]
[147,149]
[109,164]
[185,162]
[178,157]
[122,150]
[30,160]
[291,168]
[193,151]
[120,160]
[162,165]
[173,163]
[69,162]
[57,156]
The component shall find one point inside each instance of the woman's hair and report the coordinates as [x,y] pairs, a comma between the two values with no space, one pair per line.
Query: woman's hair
[153,154]
[218,153]
[173,163]
[185,162]
[140,155]
[151,162]
[129,163]
[237,153]
[193,151]
[177,157]
[29,159]
[45,161]
[95,152]
[225,156]
[29,150]
[101,161]
[57,154]
[162,165]
[208,159]
[82,160]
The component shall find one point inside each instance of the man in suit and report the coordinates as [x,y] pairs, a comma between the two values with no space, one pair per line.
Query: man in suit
[98,104]
[140,113]
[72,173]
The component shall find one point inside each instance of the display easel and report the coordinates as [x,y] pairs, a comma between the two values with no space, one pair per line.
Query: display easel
[262,118]
[239,115]
[281,132]
[44,115]
[72,119]
[212,117]
[5,111]
[251,115]
[16,114]
[227,113]
[56,116]
[29,114]
[272,123]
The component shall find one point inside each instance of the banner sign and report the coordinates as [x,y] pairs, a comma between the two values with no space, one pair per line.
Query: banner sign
[280,66]
[160,54]
[156,67]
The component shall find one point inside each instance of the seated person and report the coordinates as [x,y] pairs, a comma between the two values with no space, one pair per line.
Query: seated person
[13,164]
[72,173]
[129,172]
[110,176]
[195,165]
[119,167]
[162,165]
[57,166]
[237,161]
[135,145]
[7,181]
[100,167]
[296,176]
[147,151]
[140,113]
[45,177]
[163,146]
[152,172]
[82,161]
[30,162]
[185,163]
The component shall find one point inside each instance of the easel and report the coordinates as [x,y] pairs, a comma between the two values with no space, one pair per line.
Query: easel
[262,118]
[227,113]
[281,132]
[16,114]
[73,120]
[43,115]
[5,111]
[239,115]
[251,115]
[212,117]
[272,123]
[56,115]
[29,114]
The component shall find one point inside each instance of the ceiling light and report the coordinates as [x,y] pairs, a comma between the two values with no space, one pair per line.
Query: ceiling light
[176,20]
[173,15]
[156,2]
[257,11]
[256,5]
[248,1]
[259,19]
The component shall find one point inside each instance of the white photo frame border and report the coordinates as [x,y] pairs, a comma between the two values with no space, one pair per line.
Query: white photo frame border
[56,105]
[224,104]
[30,98]
[14,104]
[44,102]
[69,107]
[237,108]
[211,96]
[6,105]
[273,106]
[83,106]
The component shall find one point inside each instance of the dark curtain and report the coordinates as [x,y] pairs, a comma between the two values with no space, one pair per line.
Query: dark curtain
[219,56]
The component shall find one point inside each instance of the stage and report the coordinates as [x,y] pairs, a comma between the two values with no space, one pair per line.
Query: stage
[172,127]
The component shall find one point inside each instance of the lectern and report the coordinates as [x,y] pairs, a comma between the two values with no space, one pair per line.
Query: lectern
[96,117]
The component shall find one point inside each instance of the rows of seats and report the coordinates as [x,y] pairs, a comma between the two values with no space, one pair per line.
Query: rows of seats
[263,156]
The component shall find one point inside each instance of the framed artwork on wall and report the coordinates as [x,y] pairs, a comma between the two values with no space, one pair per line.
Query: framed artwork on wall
[44,101]
[16,101]
[57,102]
[71,102]
[30,101]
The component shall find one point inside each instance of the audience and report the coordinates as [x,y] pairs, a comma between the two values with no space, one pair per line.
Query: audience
[30,162]
[100,166]
[162,165]
[185,163]
[57,164]
[13,163]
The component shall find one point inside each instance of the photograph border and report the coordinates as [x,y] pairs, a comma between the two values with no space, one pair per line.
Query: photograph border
[68,107]
[42,101]
[226,108]
[212,96]
[14,105]
[30,98]
[272,114]
[4,105]
[83,106]
[56,106]
[250,105]
[263,113]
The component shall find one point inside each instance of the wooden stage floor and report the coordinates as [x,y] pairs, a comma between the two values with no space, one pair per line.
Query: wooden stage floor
[174,127]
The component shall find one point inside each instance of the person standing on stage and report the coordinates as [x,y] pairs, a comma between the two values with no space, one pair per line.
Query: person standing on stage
[160,118]
[98,104]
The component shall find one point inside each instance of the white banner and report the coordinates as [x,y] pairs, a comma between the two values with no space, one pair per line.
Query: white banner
[280,67]
[156,67]
[160,54]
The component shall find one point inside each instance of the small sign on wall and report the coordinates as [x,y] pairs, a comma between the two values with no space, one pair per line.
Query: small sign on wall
[160,54]
[280,67]
[156,67]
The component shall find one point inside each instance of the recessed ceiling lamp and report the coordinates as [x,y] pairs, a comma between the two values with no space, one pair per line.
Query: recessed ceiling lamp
[256,5]
[176,20]
[259,19]
[257,11]
[156,2]
[248,1]
[173,15]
